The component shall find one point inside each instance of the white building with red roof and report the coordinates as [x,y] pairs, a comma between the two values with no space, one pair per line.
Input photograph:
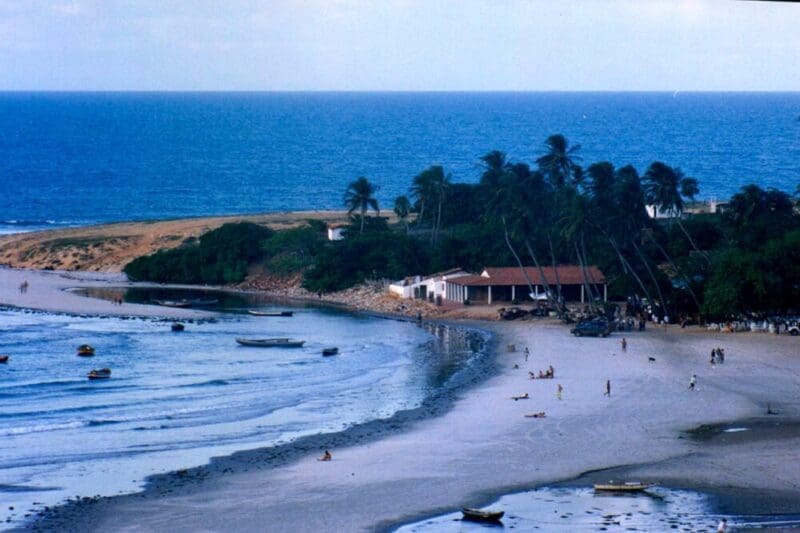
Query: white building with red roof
[508,284]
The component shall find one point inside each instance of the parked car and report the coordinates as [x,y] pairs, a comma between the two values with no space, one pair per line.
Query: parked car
[591,328]
[793,330]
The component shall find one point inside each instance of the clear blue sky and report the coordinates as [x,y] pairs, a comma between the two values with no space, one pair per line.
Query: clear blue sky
[399,45]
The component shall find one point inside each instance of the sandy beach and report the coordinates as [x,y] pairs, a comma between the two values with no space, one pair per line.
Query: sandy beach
[483,445]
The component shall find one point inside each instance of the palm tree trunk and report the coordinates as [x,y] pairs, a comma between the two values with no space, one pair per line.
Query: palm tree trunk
[550,296]
[627,267]
[363,213]
[555,269]
[514,253]
[650,272]
[584,278]
[592,282]
[691,241]
[677,271]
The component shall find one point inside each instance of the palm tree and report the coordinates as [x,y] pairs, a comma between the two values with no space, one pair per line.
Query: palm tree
[665,188]
[494,167]
[440,183]
[422,190]
[402,208]
[560,164]
[360,197]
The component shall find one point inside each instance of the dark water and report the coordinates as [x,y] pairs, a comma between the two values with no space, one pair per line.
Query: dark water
[581,509]
[87,157]
[176,399]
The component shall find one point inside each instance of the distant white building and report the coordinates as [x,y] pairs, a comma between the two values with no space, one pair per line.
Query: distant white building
[431,287]
[336,231]
[654,211]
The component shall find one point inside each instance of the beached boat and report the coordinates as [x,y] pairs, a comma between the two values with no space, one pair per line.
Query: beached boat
[84,350]
[187,303]
[476,515]
[330,351]
[270,313]
[271,343]
[3,359]
[628,486]
[103,373]
[177,326]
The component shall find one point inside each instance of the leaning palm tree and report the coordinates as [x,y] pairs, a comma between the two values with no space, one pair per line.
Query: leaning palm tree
[360,196]
[560,164]
[440,182]
[494,167]
[402,208]
[422,190]
[665,187]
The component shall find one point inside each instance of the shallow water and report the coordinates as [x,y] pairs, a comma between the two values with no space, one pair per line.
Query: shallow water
[581,509]
[177,399]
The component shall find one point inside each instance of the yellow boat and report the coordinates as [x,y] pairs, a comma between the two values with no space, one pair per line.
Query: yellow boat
[628,486]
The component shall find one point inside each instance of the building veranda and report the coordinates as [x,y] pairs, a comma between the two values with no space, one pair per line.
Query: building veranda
[507,284]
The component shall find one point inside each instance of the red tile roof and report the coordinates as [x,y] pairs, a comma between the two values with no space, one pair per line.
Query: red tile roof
[567,274]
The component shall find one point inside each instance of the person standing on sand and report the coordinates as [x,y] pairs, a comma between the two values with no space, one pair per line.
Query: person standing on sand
[560,390]
[693,382]
[608,388]
[527,353]
[624,345]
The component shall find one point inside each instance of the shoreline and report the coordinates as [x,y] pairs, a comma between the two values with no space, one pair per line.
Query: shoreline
[425,483]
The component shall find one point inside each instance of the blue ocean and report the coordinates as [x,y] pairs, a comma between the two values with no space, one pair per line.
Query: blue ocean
[81,158]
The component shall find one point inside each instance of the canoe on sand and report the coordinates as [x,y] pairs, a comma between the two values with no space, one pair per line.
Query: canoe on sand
[628,486]
[476,515]
[271,343]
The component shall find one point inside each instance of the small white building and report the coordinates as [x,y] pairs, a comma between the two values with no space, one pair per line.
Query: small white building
[654,211]
[431,287]
[336,231]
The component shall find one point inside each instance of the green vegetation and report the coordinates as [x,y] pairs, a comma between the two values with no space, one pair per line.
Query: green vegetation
[550,212]
[221,256]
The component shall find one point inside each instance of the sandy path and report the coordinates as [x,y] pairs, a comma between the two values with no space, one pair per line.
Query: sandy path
[484,445]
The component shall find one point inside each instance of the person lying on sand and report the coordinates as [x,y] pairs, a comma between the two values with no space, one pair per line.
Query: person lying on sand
[326,456]
[520,397]
[540,414]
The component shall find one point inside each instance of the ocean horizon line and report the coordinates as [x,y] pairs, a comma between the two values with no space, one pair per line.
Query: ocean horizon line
[4,91]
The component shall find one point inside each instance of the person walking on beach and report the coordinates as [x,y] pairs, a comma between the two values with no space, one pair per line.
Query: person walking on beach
[560,390]
[722,527]
[721,355]
[693,382]
[608,388]
[624,345]
[527,353]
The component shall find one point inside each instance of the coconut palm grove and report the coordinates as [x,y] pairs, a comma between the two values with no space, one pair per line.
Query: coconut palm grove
[642,227]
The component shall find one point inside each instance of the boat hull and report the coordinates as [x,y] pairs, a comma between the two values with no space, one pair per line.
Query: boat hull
[622,487]
[476,515]
[271,343]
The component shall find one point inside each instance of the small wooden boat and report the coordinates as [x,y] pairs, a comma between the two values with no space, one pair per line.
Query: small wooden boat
[173,303]
[3,359]
[330,351]
[628,486]
[177,326]
[271,343]
[84,350]
[270,313]
[103,373]
[476,515]
[187,303]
